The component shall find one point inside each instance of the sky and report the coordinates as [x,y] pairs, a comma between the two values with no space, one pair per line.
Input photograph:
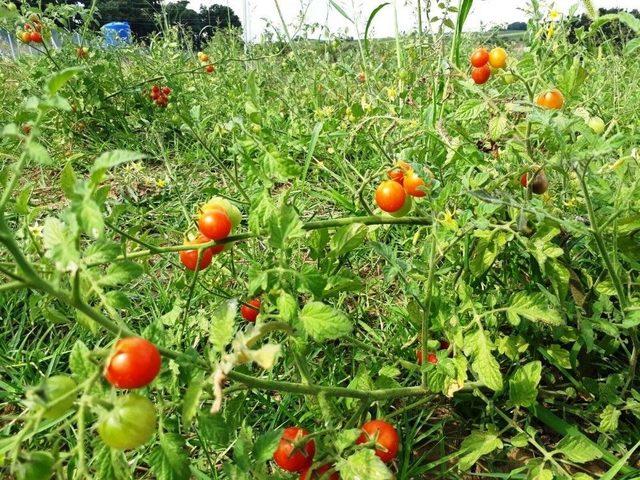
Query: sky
[484,13]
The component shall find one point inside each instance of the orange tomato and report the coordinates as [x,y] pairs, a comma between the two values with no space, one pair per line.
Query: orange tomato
[414,185]
[551,99]
[390,196]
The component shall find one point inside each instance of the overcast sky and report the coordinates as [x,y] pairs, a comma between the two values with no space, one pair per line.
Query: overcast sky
[484,13]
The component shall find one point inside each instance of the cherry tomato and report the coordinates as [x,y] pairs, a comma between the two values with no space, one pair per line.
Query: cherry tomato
[26,128]
[155,89]
[291,455]
[318,473]
[166,90]
[387,441]
[597,125]
[479,57]
[134,363]
[189,258]
[551,99]
[248,313]
[209,69]
[362,77]
[130,423]
[539,184]
[56,394]
[414,185]
[397,175]
[203,57]
[35,37]
[481,75]
[222,203]
[25,37]
[498,57]
[215,224]
[390,196]
[431,357]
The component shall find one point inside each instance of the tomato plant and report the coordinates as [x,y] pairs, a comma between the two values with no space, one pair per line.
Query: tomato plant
[134,363]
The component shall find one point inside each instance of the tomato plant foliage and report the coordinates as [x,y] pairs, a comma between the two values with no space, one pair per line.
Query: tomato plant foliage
[268,258]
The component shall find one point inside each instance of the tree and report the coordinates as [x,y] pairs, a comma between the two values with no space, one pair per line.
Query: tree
[178,13]
[218,17]
[517,26]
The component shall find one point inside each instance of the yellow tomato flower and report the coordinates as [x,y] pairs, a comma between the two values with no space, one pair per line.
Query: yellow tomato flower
[160,183]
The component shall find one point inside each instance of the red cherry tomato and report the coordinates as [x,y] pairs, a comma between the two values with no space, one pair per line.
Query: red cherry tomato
[292,454]
[166,90]
[189,258]
[134,363]
[318,473]
[209,69]
[390,196]
[35,37]
[479,57]
[431,357]
[215,224]
[248,313]
[387,440]
[480,75]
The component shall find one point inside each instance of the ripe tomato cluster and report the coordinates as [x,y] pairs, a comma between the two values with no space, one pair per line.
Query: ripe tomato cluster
[131,420]
[431,356]
[394,195]
[217,219]
[482,60]
[204,59]
[160,95]
[295,451]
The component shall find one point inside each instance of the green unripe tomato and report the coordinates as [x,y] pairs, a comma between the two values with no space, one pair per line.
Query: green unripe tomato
[597,125]
[406,208]
[509,78]
[232,211]
[130,423]
[53,389]
[35,466]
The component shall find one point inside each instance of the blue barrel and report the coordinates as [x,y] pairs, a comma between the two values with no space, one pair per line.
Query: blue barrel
[116,33]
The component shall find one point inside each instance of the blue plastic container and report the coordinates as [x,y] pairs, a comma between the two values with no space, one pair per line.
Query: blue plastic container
[116,33]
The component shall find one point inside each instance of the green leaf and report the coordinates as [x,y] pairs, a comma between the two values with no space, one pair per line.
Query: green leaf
[90,218]
[578,449]
[632,47]
[120,273]
[79,363]
[497,127]
[284,226]
[534,307]
[476,445]
[111,464]
[347,238]
[470,110]
[345,438]
[168,460]
[59,79]
[109,160]
[59,243]
[10,130]
[287,306]
[191,400]
[484,364]
[487,249]
[38,153]
[369,21]
[363,464]
[322,322]
[265,445]
[242,449]
[214,430]
[222,324]
[559,355]
[68,180]
[523,386]
[609,419]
